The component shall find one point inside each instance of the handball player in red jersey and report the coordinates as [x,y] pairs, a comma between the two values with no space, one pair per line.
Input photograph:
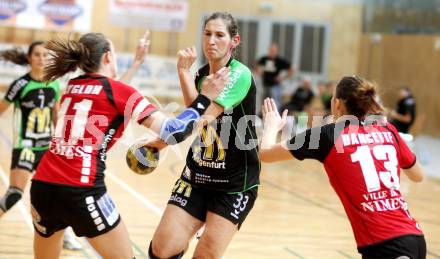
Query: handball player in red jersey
[68,188]
[363,156]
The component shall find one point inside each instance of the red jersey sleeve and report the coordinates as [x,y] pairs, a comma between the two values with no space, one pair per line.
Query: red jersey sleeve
[131,103]
[405,156]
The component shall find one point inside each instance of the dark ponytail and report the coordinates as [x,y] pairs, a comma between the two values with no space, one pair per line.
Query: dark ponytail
[67,56]
[18,56]
[359,96]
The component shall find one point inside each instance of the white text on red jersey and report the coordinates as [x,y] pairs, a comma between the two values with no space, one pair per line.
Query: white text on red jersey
[84,89]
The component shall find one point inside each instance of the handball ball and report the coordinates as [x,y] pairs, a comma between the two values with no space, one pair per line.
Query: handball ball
[142,159]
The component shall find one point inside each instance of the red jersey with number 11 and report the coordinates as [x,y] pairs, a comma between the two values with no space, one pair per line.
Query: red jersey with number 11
[93,114]
[363,165]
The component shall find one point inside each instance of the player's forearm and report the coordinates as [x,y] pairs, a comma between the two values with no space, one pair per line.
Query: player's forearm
[415,173]
[129,74]
[187,85]
[269,138]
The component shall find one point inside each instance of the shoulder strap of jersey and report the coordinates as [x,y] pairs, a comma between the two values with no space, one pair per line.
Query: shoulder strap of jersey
[108,90]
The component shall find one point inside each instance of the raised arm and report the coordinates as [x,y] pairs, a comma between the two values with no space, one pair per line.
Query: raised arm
[270,150]
[139,57]
[176,130]
[185,59]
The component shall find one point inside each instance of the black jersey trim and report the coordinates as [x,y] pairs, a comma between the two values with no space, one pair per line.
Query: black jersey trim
[108,90]
[102,152]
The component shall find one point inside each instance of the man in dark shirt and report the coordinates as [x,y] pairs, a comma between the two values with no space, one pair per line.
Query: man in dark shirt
[403,117]
[301,97]
[269,68]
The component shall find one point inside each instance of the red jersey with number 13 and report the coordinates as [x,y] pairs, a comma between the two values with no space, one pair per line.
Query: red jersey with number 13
[93,114]
[363,165]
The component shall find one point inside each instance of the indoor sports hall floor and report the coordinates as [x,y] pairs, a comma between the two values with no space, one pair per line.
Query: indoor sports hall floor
[297,214]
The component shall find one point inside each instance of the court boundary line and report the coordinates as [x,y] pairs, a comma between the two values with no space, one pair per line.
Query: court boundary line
[134,193]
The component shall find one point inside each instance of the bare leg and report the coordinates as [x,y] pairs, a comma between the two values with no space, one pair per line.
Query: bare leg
[48,247]
[175,230]
[114,244]
[216,237]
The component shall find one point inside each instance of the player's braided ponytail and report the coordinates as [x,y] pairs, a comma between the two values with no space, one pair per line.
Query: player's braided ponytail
[359,96]
[66,56]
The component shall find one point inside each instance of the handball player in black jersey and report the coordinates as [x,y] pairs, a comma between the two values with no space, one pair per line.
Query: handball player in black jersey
[68,188]
[218,185]
[35,107]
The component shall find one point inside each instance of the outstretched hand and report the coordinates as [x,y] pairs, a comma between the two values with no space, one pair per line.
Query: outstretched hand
[142,48]
[271,116]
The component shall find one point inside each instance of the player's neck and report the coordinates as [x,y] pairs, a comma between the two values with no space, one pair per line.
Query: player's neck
[105,72]
[215,65]
[36,75]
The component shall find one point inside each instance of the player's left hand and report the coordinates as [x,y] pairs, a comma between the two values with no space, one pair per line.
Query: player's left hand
[271,116]
[142,48]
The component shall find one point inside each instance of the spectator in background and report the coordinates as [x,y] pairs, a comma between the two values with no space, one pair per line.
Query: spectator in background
[325,93]
[404,115]
[301,97]
[269,68]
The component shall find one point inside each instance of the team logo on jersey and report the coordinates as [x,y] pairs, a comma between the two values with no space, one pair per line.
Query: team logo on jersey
[210,152]
[60,12]
[11,8]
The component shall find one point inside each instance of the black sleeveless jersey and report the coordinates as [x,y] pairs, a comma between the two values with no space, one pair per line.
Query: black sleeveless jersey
[224,156]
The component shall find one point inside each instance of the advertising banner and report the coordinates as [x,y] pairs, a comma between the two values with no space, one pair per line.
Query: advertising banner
[61,15]
[160,15]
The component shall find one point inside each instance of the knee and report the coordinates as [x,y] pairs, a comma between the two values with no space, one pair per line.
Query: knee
[11,197]
[206,249]
[155,251]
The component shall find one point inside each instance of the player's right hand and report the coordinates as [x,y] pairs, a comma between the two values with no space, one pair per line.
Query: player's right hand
[186,57]
[271,116]
[213,84]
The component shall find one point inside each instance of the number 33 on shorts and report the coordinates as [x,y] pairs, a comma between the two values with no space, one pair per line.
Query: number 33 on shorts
[240,204]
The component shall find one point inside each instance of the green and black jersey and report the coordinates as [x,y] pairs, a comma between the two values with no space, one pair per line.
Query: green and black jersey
[224,157]
[33,103]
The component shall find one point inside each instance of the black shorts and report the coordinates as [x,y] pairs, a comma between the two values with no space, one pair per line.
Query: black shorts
[197,202]
[25,158]
[89,211]
[403,247]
